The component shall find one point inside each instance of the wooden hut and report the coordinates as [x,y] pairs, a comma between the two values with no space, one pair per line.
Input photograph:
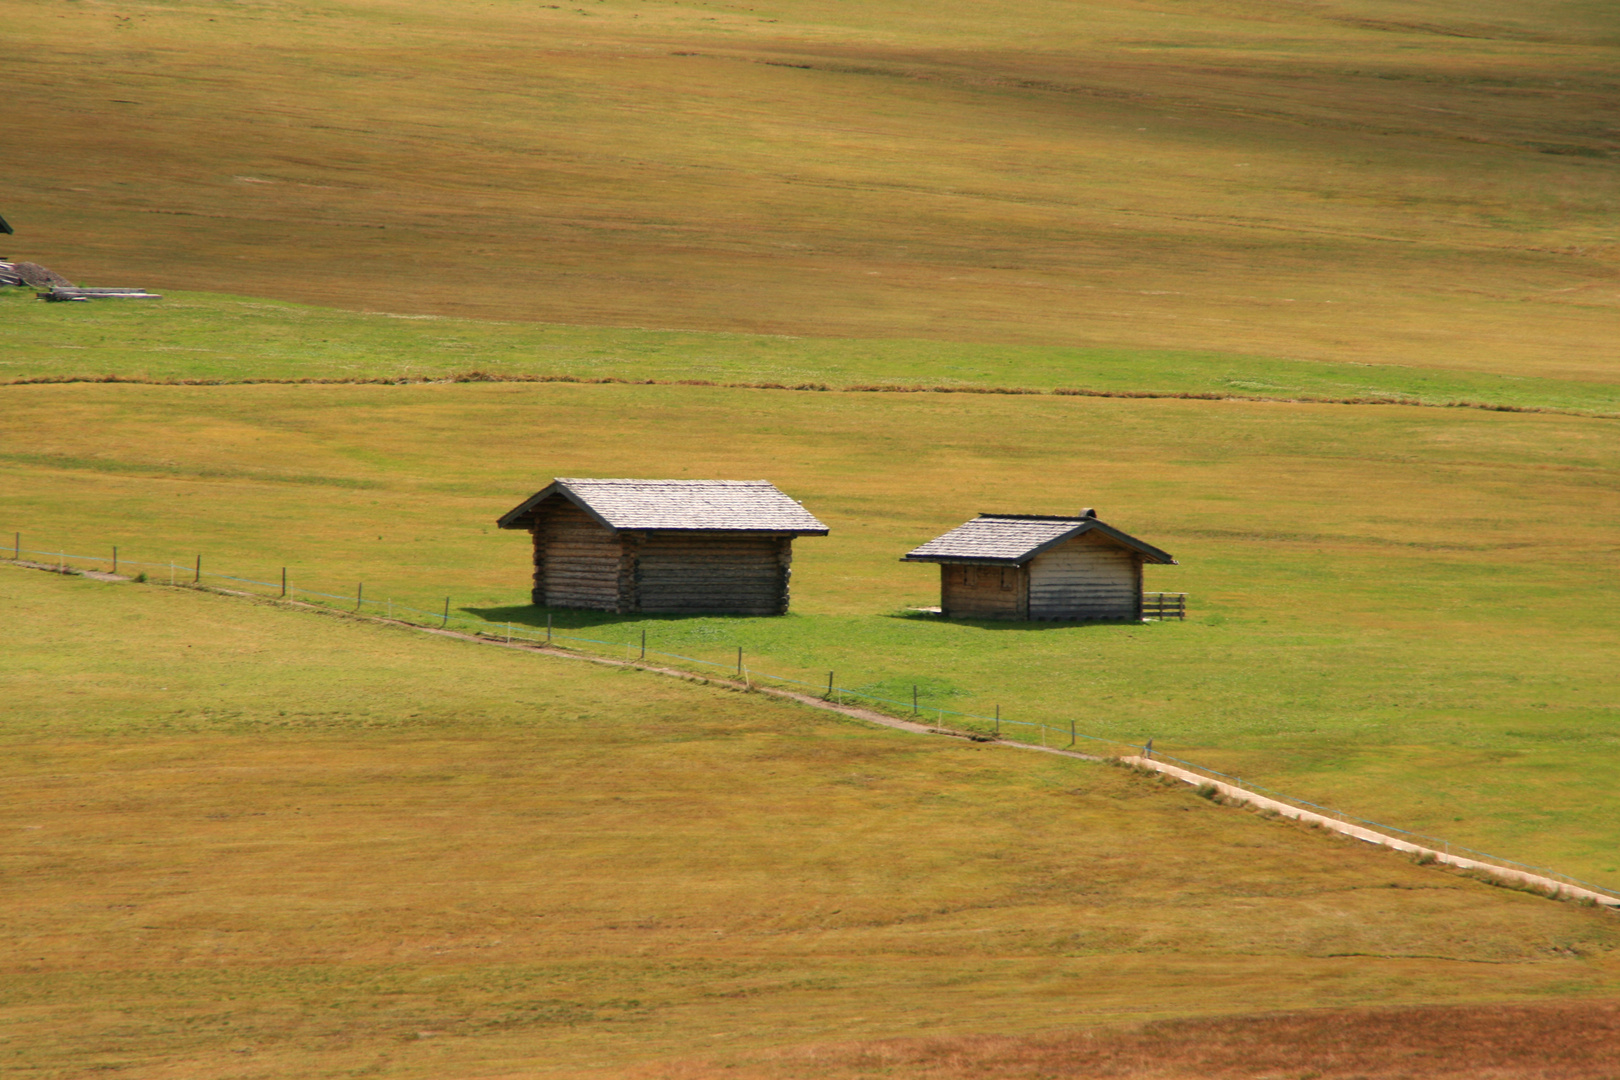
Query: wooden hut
[1024,566]
[721,546]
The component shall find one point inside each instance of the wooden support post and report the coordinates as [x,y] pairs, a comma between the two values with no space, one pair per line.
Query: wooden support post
[359,595]
[643,644]
[998,720]
[913,699]
[446,621]
[196,578]
[829,686]
[115,559]
[739,661]
[17,539]
[509,633]
[1071,733]
[284,583]
[548,628]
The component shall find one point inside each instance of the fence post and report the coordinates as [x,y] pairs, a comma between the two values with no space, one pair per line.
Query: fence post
[913,699]
[359,595]
[18,540]
[829,686]
[115,559]
[998,719]
[1071,732]
[643,655]
[197,577]
[509,633]
[548,628]
[284,583]
[739,661]
[446,621]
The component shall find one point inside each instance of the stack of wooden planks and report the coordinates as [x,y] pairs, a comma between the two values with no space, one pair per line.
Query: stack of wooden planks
[56,288]
[59,293]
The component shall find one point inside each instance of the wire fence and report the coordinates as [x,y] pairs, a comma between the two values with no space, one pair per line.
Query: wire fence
[993,727]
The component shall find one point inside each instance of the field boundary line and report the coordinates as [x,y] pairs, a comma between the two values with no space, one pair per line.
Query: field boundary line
[859,388]
[1521,878]
[1551,888]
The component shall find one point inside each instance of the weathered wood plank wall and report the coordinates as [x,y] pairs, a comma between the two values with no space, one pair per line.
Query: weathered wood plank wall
[577,561]
[983,592]
[1085,578]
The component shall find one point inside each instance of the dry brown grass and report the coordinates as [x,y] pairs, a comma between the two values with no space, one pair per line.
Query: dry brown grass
[246,842]
[1556,1041]
[1337,180]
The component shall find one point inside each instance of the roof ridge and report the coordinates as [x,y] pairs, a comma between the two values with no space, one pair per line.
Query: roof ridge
[649,480]
[1033,517]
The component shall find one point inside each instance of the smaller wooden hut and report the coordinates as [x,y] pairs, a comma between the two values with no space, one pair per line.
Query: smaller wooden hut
[721,546]
[1024,566]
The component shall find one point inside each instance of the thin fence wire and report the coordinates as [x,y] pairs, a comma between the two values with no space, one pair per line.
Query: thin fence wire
[633,650]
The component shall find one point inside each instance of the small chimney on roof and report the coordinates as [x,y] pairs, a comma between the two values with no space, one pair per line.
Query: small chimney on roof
[1088,512]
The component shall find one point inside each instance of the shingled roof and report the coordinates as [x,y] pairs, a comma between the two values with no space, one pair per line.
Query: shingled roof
[1014,539]
[679,505]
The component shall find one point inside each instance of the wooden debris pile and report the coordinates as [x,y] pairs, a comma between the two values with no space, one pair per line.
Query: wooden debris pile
[31,274]
[54,287]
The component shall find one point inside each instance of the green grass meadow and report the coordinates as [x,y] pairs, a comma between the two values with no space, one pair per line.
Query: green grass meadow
[199,336]
[1434,653]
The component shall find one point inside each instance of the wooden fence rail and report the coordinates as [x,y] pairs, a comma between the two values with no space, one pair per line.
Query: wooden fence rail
[1164,605]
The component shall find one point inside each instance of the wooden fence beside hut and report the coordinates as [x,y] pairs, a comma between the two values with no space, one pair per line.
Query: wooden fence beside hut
[1027,566]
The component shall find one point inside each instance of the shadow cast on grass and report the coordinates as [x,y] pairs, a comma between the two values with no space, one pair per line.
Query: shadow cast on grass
[531,615]
[916,615]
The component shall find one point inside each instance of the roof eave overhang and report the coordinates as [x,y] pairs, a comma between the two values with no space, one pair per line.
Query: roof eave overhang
[1148,552]
[514,518]
[520,517]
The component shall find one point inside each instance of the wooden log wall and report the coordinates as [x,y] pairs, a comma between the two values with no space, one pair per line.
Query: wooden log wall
[731,573]
[581,564]
[1088,577]
[983,592]
[576,561]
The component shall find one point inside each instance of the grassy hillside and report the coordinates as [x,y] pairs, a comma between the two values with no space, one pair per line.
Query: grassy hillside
[1404,612]
[210,337]
[1358,180]
[247,841]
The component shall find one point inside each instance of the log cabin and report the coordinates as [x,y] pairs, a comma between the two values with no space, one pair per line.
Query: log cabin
[679,546]
[1025,566]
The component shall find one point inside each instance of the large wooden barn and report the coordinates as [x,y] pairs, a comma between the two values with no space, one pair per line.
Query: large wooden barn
[1023,566]
[722,546]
